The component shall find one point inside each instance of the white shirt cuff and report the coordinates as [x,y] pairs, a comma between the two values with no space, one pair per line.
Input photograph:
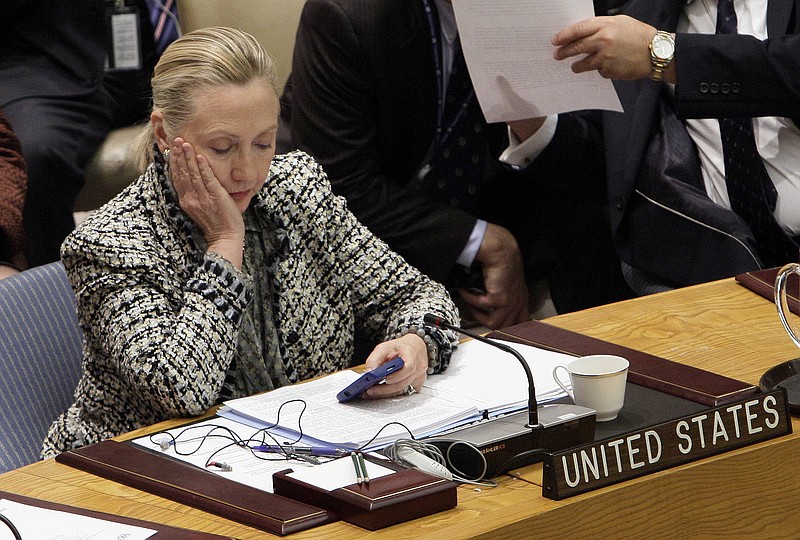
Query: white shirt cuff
[519,155]
[473,244]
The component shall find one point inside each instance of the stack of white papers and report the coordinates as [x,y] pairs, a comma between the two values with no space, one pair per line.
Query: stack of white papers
[311,409]
[481,382]
[494,381]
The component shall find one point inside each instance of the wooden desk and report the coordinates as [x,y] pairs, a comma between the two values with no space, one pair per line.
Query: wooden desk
[752,492]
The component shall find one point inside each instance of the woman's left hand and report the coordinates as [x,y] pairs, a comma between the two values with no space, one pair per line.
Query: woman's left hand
[412,350]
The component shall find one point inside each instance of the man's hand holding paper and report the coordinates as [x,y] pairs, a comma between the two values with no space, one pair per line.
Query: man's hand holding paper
[507,45]
[617,47]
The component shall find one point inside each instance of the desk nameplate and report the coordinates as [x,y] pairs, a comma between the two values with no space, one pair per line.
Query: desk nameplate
[676,442]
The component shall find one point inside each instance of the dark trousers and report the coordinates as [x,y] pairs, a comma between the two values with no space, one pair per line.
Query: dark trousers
[58,136]
[564,237]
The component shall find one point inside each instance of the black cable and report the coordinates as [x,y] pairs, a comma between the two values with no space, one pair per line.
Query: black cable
[522,455]
[166,439]
[360,448]
[11,526]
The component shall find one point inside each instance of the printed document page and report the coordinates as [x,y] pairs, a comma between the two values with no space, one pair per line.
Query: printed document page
[45,524]
[510,58]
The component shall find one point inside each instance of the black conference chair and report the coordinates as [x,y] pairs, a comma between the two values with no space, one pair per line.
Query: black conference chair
[40,359]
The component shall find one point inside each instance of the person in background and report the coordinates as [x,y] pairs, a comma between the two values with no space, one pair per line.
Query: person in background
[225,270]
[703,172]
[65,81]
[13,183]
[380,95]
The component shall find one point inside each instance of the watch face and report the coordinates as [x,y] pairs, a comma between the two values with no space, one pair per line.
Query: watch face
[663,47]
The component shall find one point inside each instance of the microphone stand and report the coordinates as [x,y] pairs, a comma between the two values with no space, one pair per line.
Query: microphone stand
[504,441]
[533,409]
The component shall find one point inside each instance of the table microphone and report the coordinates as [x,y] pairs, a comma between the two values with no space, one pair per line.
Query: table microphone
[509,441]
[533,409]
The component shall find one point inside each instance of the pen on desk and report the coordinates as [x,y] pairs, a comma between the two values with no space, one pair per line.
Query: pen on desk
[320,451]
[363,465]
[357,465]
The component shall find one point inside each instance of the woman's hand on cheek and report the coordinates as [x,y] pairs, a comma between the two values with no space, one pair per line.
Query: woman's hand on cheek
[203,198]
[412,350]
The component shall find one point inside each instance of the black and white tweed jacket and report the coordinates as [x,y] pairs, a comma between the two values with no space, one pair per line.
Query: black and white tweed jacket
[161,318]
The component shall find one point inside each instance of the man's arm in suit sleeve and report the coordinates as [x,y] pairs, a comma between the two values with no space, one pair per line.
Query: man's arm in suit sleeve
[334,117]
[737,75]
[573,158]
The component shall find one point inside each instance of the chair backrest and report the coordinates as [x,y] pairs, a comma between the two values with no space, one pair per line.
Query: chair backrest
[40,359]
[272,22]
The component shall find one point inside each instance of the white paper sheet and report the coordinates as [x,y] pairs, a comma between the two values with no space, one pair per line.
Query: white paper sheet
[46,524]
[338,473]
[510,58]
[195,447]
[494,380]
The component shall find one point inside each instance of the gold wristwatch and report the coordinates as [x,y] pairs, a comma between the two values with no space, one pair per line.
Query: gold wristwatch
[662,50]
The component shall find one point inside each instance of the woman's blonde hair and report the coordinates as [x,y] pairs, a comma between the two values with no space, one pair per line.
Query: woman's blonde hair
[203,58]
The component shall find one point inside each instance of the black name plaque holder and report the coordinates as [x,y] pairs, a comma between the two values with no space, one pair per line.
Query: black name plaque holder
[706,433]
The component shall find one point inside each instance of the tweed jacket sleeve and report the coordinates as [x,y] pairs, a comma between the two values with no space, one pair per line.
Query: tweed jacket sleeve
[353,274]
[159,318]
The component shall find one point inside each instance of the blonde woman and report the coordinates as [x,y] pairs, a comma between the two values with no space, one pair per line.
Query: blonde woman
[225,270]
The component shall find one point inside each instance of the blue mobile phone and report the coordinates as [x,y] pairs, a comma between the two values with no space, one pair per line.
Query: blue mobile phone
[369,379]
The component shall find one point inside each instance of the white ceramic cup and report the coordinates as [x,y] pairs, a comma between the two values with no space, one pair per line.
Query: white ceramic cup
[598,382]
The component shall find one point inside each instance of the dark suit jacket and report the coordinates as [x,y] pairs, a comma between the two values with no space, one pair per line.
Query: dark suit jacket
[51,48]
[664,223]
[362,100]
[58,49]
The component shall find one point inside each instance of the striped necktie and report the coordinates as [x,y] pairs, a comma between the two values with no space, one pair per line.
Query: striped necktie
[164,18]
[462,147]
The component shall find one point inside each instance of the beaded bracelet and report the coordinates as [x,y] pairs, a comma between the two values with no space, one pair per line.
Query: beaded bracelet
[439,343]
